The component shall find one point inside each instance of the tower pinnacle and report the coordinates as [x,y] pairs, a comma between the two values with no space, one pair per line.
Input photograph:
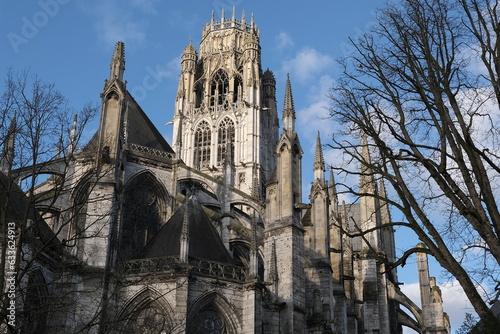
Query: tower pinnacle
[118,62]
[332,180]
[333,192]
[319,162]
[288,108]
[72,136]
[367,180]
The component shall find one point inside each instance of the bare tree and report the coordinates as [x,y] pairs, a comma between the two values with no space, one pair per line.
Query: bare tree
[36,134]
[44,195]
[422,86]
[468,325]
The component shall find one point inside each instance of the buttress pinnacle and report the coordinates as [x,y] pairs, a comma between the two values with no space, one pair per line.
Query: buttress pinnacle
[367,182]
[319,162]
[288,107]
[118,62]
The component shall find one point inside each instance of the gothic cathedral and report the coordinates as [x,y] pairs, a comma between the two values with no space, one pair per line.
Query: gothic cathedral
[209,233]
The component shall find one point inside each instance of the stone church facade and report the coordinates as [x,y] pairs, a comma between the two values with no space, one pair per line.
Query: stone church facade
[209,234]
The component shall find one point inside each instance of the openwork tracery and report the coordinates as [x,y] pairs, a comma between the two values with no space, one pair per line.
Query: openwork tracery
[143,211]
[219,88]
[202,142]
[208,321]
[148,319]
[35,296]
[225,140]
[147,313]
[76,230]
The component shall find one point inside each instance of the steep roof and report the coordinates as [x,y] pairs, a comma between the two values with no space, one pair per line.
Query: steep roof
[137,127]
[140,129]
[204,240]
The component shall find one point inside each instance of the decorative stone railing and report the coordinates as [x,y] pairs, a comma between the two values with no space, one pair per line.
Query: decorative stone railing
[217,269]
[145,266]
[217,25]
[196,266]
[150,151]
[235,107]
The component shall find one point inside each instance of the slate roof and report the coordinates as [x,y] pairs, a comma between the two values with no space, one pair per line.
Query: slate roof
[140,129]
[204,240]
[273,178]
[306,219]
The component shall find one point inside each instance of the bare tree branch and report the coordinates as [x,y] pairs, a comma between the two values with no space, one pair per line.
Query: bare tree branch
[409,89]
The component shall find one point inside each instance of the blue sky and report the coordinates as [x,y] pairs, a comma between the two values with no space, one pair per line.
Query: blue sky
[70,43]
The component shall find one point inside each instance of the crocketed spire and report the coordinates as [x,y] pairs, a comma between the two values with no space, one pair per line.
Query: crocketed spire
[319,162]
[288,108]
[367,183]
[118,62]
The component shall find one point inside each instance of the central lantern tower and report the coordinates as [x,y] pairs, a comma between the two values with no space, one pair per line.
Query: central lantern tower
[225,119]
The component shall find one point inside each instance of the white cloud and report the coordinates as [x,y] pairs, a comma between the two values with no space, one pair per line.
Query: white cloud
[114,21]
[283,40]
[120,31]
[307,64]
[312,118]
[147,6]
[153,77]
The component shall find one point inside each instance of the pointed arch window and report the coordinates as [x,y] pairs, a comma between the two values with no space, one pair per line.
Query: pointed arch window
[143,209]
[225,143]
[76,232]
[219,89]
[148,319]
[146,313]
[35,303]
[198,91]
[202,143]
[238,89]
[208,320]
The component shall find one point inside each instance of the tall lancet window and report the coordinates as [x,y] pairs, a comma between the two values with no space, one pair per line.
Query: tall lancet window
[219,88]
[198,90]
[238,89]
[76,233]
[35,308]
[225,139]
[142,209]
[202,142]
